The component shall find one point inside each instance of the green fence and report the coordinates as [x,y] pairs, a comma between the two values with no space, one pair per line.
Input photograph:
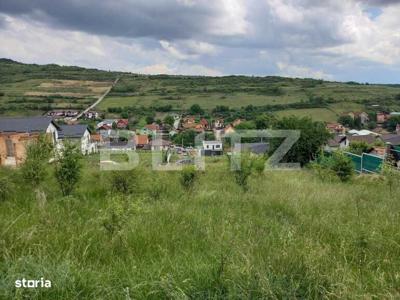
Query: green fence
[366,163]
[357,161]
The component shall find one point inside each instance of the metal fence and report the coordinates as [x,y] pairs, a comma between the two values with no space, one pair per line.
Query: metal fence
[366,163]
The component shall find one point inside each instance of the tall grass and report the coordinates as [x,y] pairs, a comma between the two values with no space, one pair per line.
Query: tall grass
[289,235]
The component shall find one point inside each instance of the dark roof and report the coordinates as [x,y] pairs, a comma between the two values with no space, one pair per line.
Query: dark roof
[72,131]
[336,140]
[256,148]
[27,124]
[393,139]
[369,139]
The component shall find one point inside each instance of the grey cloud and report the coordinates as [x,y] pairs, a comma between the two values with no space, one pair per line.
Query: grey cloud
[140,18]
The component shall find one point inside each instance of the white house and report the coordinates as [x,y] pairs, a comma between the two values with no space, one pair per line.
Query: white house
[211,148]
[79,134]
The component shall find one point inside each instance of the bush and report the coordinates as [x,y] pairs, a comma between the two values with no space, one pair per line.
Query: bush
[338,164]
[122,182]
[38,153]
[259,164]
[188,177]
[68,168]
[243,170]
[359,148]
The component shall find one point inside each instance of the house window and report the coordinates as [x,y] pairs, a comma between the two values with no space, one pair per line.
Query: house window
[217,146]
[10,148]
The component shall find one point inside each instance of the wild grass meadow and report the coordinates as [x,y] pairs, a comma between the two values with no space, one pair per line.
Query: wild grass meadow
[291,234]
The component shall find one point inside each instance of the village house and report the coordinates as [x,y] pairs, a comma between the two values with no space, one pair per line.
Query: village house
[59,114]
[382,117]
[97,139]
[142,142]
[363,116]
[160,145]
[219,124]
[80,135]
[205,123]
[91,115]
[16,133]
[336,128]
[149,129]
[338,142]
[211,148]
[106,124]
[368,139]
[122,123]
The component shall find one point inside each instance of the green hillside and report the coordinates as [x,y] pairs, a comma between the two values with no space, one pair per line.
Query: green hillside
[35,89]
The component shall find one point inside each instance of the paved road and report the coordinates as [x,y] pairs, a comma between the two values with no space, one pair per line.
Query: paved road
[97,102]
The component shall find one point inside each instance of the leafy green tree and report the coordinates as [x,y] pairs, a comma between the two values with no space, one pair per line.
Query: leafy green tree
[346,121]
[186,138]
[38,153]
[337,164]
[195,109]
[392,123]
[371,125]
[264,121]
[246,125]
[342,166]
[169,120]
[68,168]
[313,135]
[359,148]
[149,120]
[209,136]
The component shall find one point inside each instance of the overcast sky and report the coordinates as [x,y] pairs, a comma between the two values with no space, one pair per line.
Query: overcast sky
[330,39]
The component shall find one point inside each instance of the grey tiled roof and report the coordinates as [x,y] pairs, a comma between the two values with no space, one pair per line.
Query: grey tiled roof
[72,131]
[27,124]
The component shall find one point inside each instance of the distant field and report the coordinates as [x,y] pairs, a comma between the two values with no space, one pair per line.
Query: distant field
[34,89]
[236,91]
[47,94]
[317,114]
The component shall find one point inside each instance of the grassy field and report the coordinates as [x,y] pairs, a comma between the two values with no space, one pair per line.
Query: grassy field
[317,114]
[291,235]
[35,89]
[237,91]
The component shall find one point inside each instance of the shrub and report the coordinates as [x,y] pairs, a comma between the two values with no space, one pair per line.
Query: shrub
[259,164]
[243,170]
[34,169]
[359,148]
[188,177]
[68,168]
[122,182]
[339,164]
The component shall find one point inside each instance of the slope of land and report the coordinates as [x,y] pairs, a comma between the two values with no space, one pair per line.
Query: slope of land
[291,235]
[35,89]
